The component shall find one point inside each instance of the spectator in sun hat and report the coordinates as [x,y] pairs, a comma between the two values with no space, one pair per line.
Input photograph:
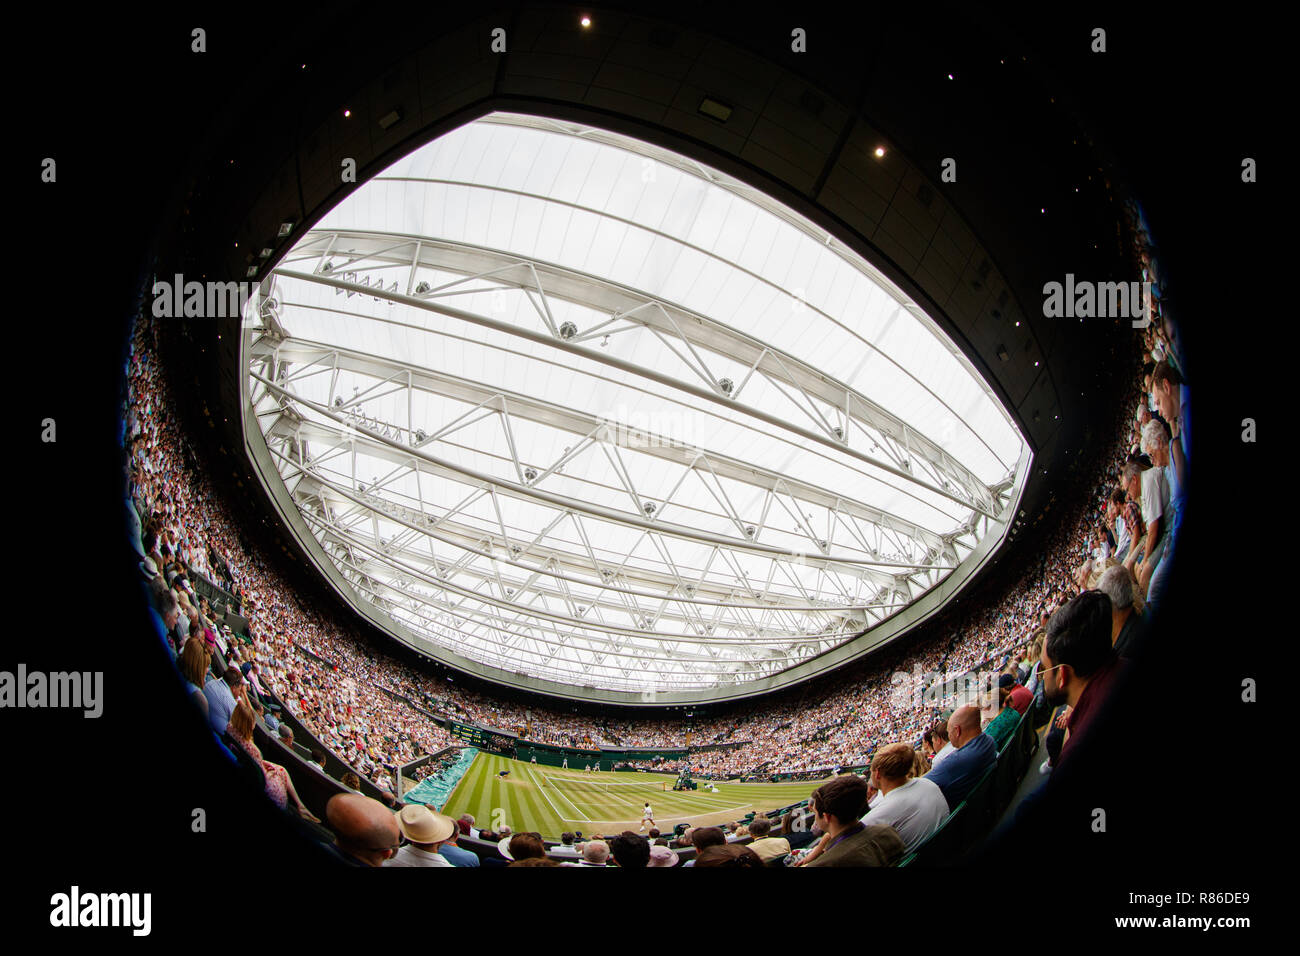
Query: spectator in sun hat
[522,846]
[425,832]
[661,856]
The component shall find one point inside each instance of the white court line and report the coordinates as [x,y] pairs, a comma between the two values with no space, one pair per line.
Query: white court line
[704,813]
[542,790]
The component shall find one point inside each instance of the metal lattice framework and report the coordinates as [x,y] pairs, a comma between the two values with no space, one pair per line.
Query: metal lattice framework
[562,474]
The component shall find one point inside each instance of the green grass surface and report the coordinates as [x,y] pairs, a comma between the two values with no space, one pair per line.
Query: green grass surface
[551,801]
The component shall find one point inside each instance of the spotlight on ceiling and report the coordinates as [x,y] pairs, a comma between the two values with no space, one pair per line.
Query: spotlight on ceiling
[714,109]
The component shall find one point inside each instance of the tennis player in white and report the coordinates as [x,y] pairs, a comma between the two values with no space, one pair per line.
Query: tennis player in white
[647,815]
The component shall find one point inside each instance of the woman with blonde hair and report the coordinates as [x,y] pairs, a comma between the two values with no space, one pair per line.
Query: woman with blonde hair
[920,764]
[279,785]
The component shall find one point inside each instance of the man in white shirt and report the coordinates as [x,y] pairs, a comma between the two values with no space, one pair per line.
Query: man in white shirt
[427,832]
[1148,488]
[913,806]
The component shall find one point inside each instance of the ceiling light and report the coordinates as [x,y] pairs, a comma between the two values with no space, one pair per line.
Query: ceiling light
[715,110]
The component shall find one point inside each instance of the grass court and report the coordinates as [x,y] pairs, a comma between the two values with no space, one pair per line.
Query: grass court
[550,800]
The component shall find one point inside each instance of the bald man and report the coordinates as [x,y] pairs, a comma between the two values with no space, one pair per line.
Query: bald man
[974,752]
[365,831]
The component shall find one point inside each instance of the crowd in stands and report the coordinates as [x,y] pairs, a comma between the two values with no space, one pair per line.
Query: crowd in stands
[376,714]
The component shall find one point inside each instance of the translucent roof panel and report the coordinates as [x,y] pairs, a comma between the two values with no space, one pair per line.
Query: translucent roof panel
[573,406]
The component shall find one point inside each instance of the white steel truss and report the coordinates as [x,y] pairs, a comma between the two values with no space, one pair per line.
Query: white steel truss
[463,430]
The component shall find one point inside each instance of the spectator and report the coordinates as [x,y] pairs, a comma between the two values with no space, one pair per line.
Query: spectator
[565,850]
[1127,629]
[285,733]
[920,764]
[350,780]
[974,753]
[365,831]
[1005,721]
[220,693]
[1145,485]
[838,806]
[914,806]
[452,852]
[522,846]
[661,856]
[594,853]
[1079,662]
[1156,443]
[193,663]
[727,855]
[279,785]
[939,741]
[1019,696]
[631,851]
[767,847]
[426,832]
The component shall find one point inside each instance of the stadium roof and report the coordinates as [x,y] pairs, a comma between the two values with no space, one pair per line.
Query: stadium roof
[572,406]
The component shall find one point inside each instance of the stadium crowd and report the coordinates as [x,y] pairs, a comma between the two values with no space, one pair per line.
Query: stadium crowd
[376,713]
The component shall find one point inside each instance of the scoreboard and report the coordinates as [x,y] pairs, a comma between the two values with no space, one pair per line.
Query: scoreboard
[484,739]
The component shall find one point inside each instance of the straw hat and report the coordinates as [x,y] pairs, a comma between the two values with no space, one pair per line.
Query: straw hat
[419,824]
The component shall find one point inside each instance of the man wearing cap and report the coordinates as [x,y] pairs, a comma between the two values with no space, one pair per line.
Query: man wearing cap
[1020,697]
[425,832]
